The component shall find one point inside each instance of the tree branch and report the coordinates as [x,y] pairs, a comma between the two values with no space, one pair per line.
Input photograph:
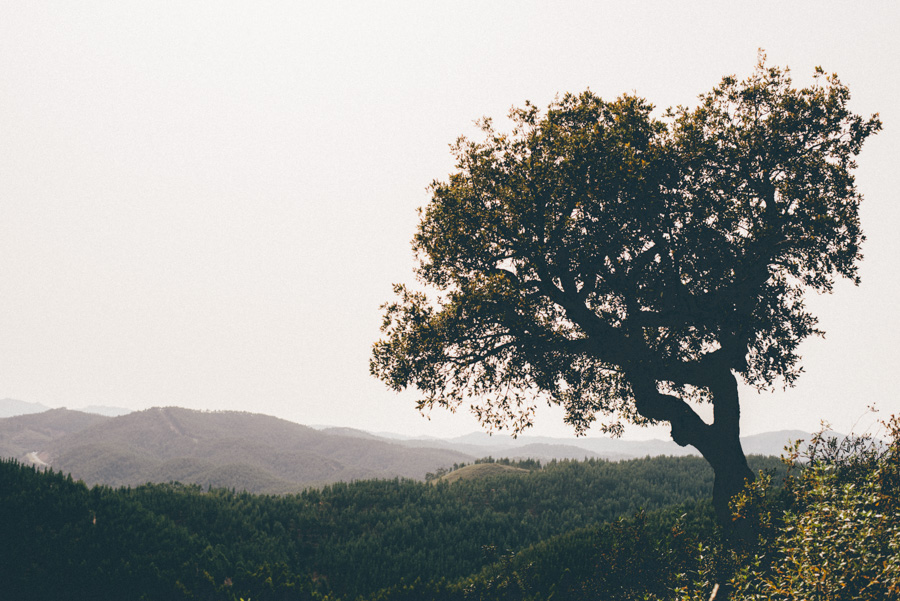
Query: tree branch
[687,427]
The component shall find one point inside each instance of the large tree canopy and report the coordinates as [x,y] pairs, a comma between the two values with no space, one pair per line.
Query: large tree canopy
[627,265]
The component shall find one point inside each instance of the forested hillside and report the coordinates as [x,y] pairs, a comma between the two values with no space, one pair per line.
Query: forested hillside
[345,539]
[577,531]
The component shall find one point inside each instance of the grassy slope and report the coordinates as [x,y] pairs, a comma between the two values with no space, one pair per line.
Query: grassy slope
[481,470]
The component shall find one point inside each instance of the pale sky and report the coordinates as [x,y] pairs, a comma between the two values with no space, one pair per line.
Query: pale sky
[204,204]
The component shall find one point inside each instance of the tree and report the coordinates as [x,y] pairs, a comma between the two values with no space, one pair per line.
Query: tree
[621,264]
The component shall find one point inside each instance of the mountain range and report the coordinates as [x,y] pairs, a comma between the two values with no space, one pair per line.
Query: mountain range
[265,454]
[13,407]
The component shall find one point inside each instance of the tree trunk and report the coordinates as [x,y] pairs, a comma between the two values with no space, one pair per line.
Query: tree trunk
[723,450]
[731,473]
[719,443]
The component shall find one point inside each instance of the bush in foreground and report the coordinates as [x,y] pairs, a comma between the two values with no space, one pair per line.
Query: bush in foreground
[836,534]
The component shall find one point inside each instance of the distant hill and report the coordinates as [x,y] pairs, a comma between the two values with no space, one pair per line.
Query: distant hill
[351,432]
[106,410]
[260,453]
[36,432]
[13,407]
[227,449]
[773,443]
[545,448]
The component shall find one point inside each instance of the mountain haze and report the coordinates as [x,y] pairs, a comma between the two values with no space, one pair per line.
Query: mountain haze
[12,407]
[264,454]
[248,451]
[547,448]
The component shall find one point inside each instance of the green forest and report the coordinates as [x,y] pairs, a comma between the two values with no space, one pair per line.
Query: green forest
[594,529]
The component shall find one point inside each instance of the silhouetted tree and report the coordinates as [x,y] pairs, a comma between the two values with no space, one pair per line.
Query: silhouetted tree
[621,264]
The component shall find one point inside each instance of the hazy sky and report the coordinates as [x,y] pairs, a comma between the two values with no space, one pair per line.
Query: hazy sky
[204,203]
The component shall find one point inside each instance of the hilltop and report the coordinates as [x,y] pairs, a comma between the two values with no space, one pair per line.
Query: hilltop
[481,470]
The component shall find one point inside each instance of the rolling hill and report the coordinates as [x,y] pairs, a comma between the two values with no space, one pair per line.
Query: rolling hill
[239,450]
[35,432]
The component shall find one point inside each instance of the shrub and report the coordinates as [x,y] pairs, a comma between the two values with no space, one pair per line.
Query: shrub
[835,532]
